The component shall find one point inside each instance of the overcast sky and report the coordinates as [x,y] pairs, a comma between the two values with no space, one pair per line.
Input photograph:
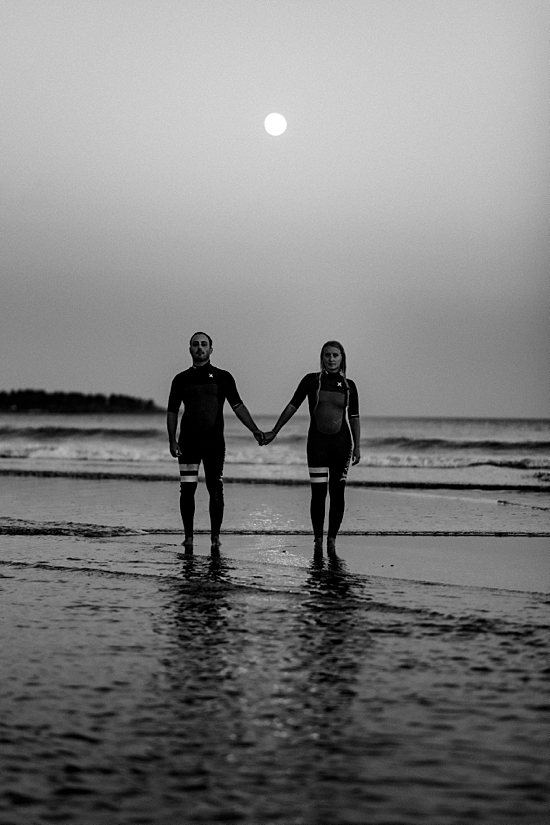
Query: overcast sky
[404,211]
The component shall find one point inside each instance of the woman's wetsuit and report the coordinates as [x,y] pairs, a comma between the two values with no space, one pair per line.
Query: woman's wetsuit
[333,401]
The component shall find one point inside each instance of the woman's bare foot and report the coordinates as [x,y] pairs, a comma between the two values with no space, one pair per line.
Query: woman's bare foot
[215,544]
[331,546]
[188,542]
[318,546]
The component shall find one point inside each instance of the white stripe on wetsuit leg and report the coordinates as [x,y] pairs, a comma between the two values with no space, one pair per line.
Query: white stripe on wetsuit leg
[188,472]
[318,475]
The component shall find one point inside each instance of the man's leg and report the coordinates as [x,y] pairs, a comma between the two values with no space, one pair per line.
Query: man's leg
[213,476]
[189,473]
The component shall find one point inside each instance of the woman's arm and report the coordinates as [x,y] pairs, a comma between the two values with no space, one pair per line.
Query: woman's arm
[355,424]
[284,417]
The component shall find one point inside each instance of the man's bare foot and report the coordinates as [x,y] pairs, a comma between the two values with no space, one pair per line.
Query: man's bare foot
[215,543]
[188,542]
[318,546]
[331,546]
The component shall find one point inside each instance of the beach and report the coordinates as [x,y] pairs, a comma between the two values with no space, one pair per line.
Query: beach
[404,681]
[201,200]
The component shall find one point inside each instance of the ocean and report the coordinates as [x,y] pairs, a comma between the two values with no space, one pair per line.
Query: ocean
[409,452]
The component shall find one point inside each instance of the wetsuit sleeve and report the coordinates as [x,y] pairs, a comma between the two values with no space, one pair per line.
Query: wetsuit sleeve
[174,399]
[301,392]
[231,392]
[353,407]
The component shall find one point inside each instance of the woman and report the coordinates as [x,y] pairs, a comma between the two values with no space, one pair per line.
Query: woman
[333,437]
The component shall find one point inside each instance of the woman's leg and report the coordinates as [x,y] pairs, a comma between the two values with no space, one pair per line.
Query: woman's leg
[337,490]
[338,471]
[319,479]
[317,460]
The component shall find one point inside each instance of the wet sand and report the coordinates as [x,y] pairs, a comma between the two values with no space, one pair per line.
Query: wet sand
[506,563]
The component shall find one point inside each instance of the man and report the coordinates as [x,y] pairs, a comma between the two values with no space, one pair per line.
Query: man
[202,389]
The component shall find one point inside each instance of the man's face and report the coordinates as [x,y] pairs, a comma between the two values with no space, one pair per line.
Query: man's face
[200,350]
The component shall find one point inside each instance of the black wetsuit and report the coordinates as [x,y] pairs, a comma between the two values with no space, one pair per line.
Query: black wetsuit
[202,391]
[332,402]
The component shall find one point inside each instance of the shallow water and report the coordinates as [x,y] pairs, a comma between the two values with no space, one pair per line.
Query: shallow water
[158,687]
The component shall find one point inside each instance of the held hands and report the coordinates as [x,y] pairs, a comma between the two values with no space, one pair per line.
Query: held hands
[264,438]
[356,456]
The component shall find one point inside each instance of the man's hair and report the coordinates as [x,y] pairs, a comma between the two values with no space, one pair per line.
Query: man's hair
[201,333]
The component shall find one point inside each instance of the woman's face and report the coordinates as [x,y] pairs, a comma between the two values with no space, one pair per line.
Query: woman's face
[332,359]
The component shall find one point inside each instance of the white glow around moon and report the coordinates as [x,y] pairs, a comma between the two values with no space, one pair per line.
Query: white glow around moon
[275,124]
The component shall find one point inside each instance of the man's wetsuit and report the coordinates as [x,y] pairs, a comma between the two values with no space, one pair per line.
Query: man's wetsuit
[202,391]
[332,401]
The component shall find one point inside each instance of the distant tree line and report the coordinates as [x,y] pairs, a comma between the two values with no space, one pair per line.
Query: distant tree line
[72,402]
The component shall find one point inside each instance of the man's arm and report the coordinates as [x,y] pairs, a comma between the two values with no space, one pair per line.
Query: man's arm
[172,425]
[243,415]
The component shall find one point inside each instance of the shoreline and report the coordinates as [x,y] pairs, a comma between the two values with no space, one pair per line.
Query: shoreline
[103,506]
[98,475]
[21,527]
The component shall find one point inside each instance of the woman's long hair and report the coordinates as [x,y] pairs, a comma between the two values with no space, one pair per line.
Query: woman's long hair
[342,370]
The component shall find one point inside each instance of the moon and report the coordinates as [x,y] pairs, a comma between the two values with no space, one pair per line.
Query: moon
[275,124]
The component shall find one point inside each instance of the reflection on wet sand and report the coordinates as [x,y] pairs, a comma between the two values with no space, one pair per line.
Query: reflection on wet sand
[269,700]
